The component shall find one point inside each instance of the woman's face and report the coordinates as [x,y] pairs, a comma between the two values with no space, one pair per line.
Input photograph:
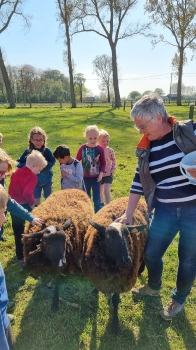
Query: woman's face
[3,169]
[151,128]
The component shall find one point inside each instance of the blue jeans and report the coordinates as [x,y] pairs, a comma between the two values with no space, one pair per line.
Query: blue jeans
[47,188]
[165,224]
[91,183]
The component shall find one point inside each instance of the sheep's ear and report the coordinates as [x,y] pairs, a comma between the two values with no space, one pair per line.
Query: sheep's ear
[98,227]
[139,228]
[35,235]
[67,223]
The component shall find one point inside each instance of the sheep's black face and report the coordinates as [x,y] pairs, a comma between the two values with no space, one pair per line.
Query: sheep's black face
[117,247]
[54,246]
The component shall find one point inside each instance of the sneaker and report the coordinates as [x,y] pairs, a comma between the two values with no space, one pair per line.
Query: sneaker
[171,310]
[11,318]
[145,290]
[10,306]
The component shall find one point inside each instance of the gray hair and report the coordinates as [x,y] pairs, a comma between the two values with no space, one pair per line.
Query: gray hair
[148,107]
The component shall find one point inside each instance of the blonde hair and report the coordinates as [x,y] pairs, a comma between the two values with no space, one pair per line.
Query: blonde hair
[103,133]
[7,159]
[37,131]
[1,135]
[91,128]
[35,157]
[3,197]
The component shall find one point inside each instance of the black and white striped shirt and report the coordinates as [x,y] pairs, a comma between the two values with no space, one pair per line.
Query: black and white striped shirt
[172,187]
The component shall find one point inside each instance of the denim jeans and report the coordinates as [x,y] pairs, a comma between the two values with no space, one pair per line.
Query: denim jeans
[165,224]
[92,183]
[47,188]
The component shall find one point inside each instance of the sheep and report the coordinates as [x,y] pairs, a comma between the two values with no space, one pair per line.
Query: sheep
[58,244]
[113,253]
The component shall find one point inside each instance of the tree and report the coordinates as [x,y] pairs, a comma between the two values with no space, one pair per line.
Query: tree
[8,9]
[134,94]
[178,16]
[159,91]
[107,19]
[7,83]
[79,80]
[68,12]
[103,68]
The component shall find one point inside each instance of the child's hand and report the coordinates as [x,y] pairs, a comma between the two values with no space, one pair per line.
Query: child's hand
[64,173]
[100,177]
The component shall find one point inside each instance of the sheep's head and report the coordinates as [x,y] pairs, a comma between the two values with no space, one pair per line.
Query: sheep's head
[115,240]
[53,243]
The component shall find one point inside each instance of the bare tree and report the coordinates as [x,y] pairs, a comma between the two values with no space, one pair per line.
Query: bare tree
[67,13]
[8,9]
[107,18]
[7,83]
[103,68]
[178,16]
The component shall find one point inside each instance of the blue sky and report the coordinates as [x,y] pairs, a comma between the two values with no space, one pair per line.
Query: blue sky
[141,67]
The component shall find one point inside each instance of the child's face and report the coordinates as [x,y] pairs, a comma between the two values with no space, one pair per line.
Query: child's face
[64,160]
[37,140]
[104,141]
[92,138]
[3,169]
[2,216]
[35,168]
[1,140]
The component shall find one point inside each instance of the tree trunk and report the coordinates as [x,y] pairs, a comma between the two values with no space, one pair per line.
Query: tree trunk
[180,70]
[72,92]
[108,92]
[115,75]
[10,95]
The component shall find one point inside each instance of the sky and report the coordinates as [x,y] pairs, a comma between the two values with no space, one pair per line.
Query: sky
[141,67]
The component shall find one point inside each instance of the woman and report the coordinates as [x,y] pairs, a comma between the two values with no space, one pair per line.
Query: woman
[164,143]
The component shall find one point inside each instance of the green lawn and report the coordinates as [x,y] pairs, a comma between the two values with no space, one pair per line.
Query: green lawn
[89,326]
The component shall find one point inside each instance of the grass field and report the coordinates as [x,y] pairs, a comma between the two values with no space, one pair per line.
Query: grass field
[89,326]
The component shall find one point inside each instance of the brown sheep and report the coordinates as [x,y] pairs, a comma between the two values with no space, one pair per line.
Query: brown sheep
[112,256]
[70,207]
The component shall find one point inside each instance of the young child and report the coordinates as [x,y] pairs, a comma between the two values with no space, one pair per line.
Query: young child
[93,162]
[104,139]
[71,169]
[37,141]
[6,336]
[22,186]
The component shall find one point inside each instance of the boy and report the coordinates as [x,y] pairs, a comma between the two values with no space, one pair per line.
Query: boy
[71,169]
[6,337]
[22,186]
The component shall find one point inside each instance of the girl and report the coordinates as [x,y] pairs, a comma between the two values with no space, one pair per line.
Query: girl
[93,162]
[37,141]
[104,139]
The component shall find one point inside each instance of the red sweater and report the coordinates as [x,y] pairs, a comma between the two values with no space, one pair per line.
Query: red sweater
[22,185]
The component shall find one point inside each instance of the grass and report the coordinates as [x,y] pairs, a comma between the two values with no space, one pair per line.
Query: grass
[89,326]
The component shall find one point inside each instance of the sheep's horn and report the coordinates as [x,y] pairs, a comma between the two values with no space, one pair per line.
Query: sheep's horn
[67,223]
[34,235]
[98,227]
[139,228]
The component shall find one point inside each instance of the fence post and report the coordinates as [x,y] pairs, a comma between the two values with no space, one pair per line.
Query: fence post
[131,104]
[191,112]
[124,105]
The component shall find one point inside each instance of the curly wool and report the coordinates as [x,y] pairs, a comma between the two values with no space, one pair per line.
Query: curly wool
[97,267]
[55,210]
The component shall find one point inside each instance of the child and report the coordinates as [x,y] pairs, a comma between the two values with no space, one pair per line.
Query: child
[37,141]
[22,186]
[6,336]
[93,162]
[71,169]
[104,139]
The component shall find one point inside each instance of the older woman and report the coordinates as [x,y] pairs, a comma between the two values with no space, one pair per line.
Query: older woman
[164,143]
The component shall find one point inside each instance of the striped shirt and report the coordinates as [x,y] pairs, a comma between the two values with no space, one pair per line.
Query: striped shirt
[172,188]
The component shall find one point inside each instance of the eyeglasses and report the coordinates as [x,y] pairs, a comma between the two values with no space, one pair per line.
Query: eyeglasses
[2,173]
[142,127]
[35,140]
